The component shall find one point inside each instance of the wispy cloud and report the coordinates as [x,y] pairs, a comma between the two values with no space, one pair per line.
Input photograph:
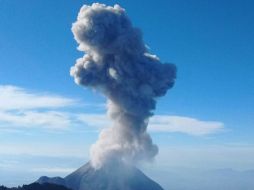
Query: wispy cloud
[16,98]
[22,108]
[48,119]
[163,123]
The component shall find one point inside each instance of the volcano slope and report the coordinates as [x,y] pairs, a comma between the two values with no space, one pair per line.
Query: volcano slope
[112,176]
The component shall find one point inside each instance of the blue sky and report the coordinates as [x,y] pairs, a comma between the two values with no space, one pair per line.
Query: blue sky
[208,115]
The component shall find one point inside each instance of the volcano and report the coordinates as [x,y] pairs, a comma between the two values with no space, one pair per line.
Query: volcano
[112,176]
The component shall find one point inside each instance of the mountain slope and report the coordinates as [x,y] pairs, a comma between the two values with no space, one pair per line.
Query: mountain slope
[110,177]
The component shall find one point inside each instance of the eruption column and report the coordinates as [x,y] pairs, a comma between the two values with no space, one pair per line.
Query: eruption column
[118,64]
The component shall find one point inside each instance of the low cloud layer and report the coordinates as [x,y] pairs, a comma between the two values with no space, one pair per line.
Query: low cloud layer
[20,113]
[187,125]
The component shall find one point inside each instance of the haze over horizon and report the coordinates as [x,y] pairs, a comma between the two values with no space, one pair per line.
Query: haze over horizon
[204,124]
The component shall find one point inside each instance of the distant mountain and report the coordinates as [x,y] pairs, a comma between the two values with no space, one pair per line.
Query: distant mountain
[110,177]
[179,178]
[37,186]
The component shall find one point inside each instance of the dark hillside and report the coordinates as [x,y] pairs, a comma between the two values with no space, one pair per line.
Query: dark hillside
[37,186]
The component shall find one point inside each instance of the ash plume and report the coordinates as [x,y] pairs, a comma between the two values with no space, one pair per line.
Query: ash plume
[118,64]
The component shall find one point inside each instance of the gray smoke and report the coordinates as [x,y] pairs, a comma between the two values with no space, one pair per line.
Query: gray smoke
[118,64]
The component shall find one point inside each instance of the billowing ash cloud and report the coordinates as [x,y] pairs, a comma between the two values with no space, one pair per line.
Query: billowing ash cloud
[118,64]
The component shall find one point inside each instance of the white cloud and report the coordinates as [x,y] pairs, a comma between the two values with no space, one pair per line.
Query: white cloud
[15,98]
[22,108]
[188,125]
